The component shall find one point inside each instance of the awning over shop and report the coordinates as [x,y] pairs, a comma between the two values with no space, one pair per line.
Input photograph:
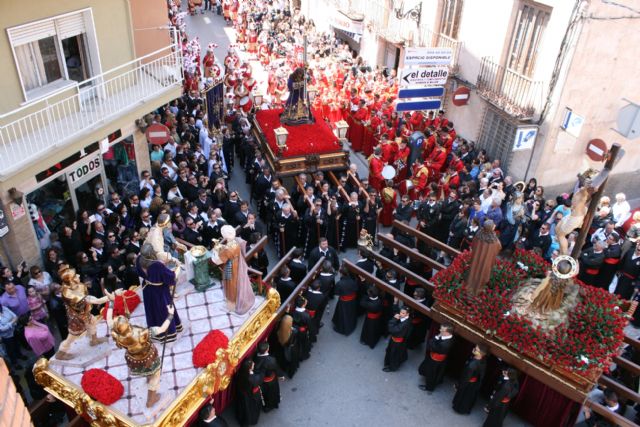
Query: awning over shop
[348,29]
[349,38]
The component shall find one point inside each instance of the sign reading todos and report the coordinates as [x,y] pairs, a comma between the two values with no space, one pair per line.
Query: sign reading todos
[427,56]
[435,76]
[83,168]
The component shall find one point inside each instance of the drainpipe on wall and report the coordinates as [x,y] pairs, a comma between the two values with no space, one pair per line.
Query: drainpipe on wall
[132,43]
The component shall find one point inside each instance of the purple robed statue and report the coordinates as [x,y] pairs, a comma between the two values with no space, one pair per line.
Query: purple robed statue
[156,293]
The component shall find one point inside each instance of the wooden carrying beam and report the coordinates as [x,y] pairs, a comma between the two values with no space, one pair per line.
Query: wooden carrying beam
[311,275]
[498,349]
[336,182]
[632,342]
[430,241]
[411,253]
[612,417]
[276,268]
[622,391]
[627,365]
[260,244]
[303,192]
[402,270]
[356,181]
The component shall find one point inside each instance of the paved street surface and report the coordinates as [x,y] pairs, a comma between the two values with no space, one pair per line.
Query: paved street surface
[342,384]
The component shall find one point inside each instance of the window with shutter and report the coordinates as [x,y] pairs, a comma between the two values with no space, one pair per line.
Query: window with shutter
[526,37]
[52,51]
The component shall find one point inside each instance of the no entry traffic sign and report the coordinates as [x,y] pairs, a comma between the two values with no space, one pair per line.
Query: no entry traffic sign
[597,150]
[461,96]
[158,134]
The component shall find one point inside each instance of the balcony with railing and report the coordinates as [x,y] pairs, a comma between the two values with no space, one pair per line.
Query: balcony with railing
[54,121]
[515,94]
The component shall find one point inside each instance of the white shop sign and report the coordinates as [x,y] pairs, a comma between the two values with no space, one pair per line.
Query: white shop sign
[83,168]
[433,76]
[427,56]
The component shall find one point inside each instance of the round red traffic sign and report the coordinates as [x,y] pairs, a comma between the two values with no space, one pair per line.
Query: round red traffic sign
[158,134]
[461,96]
[597,150]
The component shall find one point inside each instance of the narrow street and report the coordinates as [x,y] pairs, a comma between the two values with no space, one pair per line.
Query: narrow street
[342,384]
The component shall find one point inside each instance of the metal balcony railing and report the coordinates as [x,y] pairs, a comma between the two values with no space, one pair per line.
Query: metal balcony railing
[53,121]
[512,92]
[429,38]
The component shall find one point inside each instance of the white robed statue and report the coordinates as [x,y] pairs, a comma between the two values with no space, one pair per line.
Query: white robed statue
[229,253]
[163,242]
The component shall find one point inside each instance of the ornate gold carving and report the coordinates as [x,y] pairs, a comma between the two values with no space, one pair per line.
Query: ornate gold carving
[215,377]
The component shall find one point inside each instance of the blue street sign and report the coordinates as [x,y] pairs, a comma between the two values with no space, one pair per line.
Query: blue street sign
[431,104]
[427,92]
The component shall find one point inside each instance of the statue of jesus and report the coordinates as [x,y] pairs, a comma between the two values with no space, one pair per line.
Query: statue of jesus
[579,206]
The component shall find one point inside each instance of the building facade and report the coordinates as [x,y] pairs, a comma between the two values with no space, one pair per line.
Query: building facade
[77,74]
[544,80]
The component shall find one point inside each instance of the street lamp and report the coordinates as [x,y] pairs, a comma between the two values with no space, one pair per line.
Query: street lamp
[281,138]
[342,127]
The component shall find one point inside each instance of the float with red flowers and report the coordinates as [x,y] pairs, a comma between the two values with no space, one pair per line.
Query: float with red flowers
[576,341]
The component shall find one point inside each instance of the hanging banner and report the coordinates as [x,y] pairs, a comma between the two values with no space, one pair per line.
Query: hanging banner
[215,105]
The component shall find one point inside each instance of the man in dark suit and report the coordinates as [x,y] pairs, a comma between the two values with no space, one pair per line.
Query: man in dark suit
[253,225]
[542,240]
[203,202]
[212,229]
[192,232]
[297,266]
[364,262]
[240,218]
[209,418]
[285,285]
[324,250]
[404,212]
[399,330]
[231,207]
[268,366]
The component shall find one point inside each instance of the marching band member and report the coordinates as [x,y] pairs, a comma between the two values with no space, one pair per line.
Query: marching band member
[389,203]
[376,164]
[401,160]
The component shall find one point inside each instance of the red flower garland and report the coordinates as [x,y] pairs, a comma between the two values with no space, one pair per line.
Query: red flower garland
[585,343]
[132,299]
[205,351]
[102,386]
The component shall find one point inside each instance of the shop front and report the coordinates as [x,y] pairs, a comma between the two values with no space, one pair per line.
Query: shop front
[80,182]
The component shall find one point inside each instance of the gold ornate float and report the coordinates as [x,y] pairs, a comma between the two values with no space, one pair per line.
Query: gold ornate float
[215,377]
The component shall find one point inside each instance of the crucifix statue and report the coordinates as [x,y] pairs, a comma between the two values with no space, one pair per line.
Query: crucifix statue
[297,110]
[585,199]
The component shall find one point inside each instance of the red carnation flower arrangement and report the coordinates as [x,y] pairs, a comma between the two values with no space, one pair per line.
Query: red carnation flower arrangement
[205,351]
[102,386]
[585,343]
[130,297]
